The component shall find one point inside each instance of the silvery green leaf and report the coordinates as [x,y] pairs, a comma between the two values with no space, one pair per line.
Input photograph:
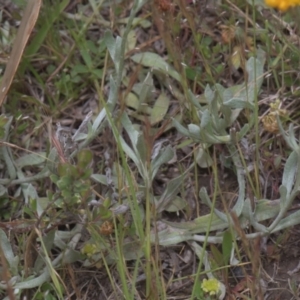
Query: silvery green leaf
[203,158]
[209,94]
[243,131]
[283,197]
[264,210]
[173,186]
[8,253]
[144,89]
[219,91]
[255,69]
[35,282]
[238,206]
[52,160]
[194,131]
[72,257]
[111,102]
[176,205]
[220,139]
[248,90]
[180,128]
[129,152]
[83,126]
[162,158]
[247,209]
[80,137]
[131,40]
[131,251]
[132,101]
[159,109]
[205,119]
[103,179]
[285,202]
[7,157]
[156,148]
[31,159]
[114,46]
[3,190]
[291,138]
[288,222]
[205,198]
[229,93]
[144,23]
[110,105]
[226,111]
[131,131]
[170,236]
[239,103]
[141,147]
[119,209]
[110,43]
[194,100]
[220,126]
[32,195]
[48,241]
[155,61]
[140,4]
[290,169]
[28,189]
[99,119]
[117,58]
[17,192]
[134,155]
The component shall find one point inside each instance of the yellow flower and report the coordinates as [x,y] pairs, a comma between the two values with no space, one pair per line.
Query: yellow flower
[282,5]
[211,286]
[89,249]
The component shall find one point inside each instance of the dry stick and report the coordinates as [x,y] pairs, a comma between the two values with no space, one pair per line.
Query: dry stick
[28,21]
[58,147]
[61,64]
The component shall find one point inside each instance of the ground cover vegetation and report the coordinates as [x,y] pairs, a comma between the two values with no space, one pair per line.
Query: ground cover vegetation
[149,149]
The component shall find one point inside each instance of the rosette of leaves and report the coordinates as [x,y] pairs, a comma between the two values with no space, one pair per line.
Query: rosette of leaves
[73,180]
[223,106]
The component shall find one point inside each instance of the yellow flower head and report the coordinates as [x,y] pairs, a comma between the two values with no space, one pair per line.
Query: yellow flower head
[211,286]
[89,249]
[282,5]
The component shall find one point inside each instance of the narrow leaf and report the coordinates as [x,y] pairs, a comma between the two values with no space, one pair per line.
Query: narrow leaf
[226,247]
[289,172]
[31,160]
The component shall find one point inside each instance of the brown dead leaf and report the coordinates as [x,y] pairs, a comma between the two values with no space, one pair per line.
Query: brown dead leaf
[227,33]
